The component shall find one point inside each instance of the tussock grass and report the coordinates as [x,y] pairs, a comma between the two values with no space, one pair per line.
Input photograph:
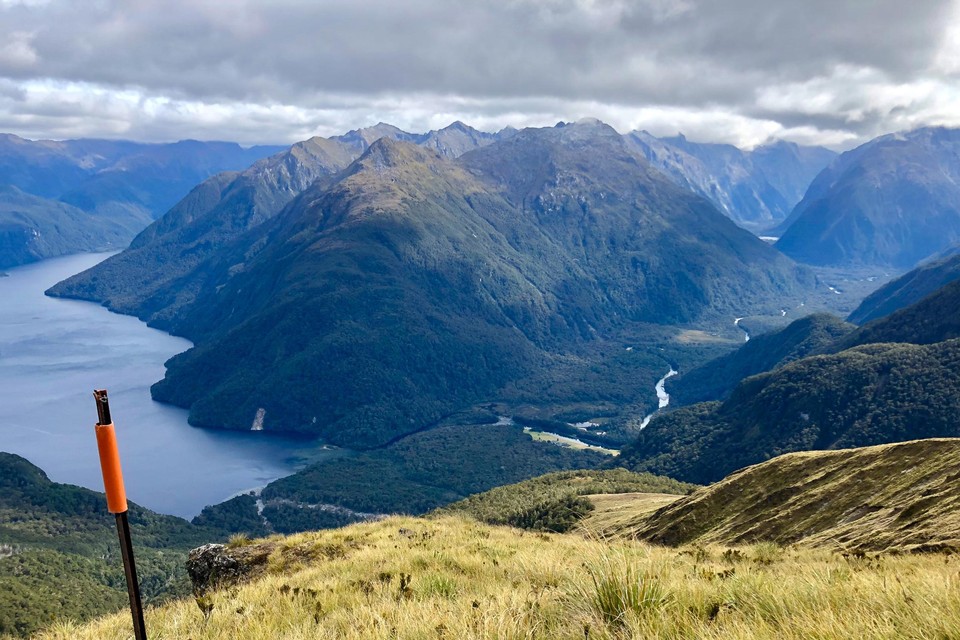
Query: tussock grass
[455,578]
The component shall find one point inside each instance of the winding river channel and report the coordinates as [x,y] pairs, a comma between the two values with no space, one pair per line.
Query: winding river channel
[663,398]
[53,353]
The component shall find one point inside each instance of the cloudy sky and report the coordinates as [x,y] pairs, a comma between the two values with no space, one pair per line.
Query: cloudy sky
[833,72]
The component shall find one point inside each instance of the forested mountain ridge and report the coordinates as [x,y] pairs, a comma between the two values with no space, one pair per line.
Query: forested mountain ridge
[715,379]
[908,289]
[870,394]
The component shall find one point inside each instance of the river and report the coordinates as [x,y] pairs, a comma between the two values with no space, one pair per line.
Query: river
[663,398]
[54,352]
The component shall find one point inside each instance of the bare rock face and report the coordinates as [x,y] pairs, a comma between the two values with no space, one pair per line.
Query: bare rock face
[214,566]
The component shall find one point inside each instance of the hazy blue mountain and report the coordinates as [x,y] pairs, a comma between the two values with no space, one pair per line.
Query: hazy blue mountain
[409,285]
[908,288]
[891,202]
[158,275]
[33,228]
[757,189]
[456,139]
[118,186]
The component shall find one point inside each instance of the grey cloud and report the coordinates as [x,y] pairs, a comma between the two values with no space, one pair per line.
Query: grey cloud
[329,58]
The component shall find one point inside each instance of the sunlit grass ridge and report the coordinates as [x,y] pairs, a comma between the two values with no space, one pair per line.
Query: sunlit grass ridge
[455,578]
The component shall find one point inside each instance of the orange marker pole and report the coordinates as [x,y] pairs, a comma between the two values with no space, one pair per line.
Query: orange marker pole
[117,505]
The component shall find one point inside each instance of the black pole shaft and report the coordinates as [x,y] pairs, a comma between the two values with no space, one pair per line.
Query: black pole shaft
[130,569]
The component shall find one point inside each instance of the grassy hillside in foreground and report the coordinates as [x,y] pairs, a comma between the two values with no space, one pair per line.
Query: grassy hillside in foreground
[556,501]
[59,555]
[451,578]
[890,497]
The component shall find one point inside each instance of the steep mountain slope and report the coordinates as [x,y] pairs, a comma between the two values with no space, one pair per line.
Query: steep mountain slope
[410,286]
[756,189]
[717,378]
[908,289]
[166,264]
[659,253]
[889,497]
[368,308]
[891,202]
[119,186]
[59,556]
[871,394]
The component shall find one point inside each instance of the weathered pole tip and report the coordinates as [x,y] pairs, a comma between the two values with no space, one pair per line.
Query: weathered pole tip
[103,406]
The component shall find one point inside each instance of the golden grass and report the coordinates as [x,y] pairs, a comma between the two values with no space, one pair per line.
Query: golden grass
[902,496]
[615,513]
[468,580]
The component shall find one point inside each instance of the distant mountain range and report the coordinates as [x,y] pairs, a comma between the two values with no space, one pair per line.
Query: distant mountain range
[756,189]
[891,202]
[406,285]
[59,197]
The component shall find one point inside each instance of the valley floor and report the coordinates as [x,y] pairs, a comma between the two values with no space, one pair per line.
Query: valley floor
[455,578]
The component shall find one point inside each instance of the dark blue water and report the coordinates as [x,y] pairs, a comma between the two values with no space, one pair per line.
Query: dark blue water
[53,353]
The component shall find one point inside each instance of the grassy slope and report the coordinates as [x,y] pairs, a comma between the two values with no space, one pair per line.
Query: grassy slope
[470,580]
[898,496]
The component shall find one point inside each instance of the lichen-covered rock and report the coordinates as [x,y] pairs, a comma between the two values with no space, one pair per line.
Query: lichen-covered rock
[214,566]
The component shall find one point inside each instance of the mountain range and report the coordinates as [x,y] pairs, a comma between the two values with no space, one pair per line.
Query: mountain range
[408,285]
[757,189]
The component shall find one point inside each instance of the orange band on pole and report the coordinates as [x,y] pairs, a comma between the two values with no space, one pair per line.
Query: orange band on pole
[110,465]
